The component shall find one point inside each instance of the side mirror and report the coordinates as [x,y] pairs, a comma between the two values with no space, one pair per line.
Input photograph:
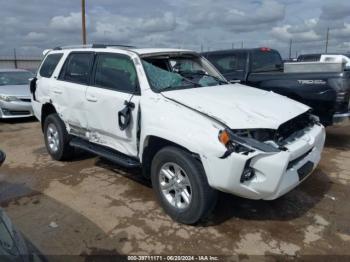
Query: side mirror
[32,86]
[2,157]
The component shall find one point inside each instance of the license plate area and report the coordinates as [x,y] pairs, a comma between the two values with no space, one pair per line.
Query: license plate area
[305,170]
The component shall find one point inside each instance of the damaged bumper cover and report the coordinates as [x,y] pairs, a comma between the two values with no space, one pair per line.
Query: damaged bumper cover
[272,172]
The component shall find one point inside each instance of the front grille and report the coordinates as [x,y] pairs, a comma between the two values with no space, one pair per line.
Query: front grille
[292,126]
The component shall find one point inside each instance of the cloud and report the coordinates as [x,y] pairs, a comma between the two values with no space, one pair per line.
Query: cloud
[193,24]
[251,18]
[34,36]
[122,28]
[335,10]
[286,32]
[70,23]
[342,32]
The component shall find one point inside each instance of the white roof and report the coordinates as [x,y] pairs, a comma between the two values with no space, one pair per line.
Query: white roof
[139,51]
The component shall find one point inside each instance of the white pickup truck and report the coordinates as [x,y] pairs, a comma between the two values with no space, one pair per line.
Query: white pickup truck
[172,113]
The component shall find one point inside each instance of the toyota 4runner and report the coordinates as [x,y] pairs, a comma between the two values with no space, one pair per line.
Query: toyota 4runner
[172,113]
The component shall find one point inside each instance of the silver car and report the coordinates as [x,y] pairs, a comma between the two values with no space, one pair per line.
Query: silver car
[15,94]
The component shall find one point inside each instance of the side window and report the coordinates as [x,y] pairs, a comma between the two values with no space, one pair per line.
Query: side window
[116,72]
[231,62]
[77,68]
[49,65]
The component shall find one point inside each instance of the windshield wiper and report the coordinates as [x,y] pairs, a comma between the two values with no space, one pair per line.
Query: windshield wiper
[206,74]
[190,81]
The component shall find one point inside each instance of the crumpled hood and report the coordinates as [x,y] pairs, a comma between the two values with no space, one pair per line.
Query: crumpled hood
[239,106]
[15,90]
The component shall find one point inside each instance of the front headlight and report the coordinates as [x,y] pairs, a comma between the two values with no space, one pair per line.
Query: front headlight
[246,141]
[8,98]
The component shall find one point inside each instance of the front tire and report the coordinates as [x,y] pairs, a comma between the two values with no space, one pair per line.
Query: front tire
[181,186]
[57,138]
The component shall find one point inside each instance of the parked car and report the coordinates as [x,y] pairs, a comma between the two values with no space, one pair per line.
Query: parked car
[172,113]
[328,93]
[13,246]
[14,93]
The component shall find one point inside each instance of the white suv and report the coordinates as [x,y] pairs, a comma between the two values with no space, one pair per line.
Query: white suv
[172,113]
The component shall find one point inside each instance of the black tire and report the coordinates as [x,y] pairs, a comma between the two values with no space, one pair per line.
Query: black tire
[203,197]
[64,150]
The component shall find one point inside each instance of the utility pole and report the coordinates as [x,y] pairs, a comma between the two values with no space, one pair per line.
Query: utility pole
[233,46]
[83,21]
[201,48]
[290,48]
[242,44]
[15,58]
[327,39]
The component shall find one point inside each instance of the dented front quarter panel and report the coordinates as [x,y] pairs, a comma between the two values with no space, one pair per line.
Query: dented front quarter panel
[168,120]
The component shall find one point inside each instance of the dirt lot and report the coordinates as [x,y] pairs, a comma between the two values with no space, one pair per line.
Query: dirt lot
[102,209]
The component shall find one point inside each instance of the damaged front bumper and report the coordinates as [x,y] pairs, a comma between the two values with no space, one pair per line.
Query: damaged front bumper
[274,173]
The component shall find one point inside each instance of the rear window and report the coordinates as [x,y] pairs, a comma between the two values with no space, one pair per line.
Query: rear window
[264,61]
[227,63]
[49,65]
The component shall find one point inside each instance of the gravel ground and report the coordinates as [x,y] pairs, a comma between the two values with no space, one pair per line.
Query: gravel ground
[95,207]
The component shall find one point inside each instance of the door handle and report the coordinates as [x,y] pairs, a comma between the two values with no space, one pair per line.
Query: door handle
[57,91]
[91,98]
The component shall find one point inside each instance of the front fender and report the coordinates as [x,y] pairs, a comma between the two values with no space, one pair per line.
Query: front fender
[168,120]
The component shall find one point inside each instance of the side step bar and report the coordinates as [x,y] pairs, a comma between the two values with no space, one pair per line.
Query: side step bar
[105,152]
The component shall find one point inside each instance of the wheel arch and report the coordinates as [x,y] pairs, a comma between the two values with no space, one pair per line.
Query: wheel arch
[46,110]
[152,144]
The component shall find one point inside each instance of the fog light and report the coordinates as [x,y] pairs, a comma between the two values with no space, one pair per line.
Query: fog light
[247,174]
[5,111]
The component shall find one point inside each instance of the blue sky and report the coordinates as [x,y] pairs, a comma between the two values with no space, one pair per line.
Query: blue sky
[31,26]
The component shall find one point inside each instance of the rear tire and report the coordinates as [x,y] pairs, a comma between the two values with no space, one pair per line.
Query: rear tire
[57,138]
[181,186]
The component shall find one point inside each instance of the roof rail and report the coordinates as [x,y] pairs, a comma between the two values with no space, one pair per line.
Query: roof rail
[111,45]
[92,46]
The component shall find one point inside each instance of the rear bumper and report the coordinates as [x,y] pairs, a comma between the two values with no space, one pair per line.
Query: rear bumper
[341,119]
[15,109]
[275,174]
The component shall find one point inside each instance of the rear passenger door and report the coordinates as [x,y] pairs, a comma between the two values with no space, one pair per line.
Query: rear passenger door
[114,82]
[69,92]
